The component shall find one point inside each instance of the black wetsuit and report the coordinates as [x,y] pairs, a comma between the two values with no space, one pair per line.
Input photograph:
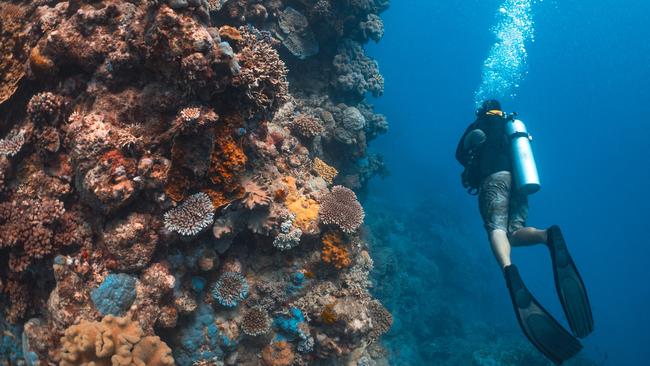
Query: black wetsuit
[494,155]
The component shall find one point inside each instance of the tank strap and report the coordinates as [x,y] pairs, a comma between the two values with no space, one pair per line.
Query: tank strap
[519,134]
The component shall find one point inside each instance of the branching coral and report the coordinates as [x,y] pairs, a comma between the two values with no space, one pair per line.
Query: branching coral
[192,216]
[36,228]
[113,341]
[44,108]
[333,251]
[256,321]
[297,35]
[12,144]
[341,208]
[307,126]
[230,289]
[263,76]
[328,173]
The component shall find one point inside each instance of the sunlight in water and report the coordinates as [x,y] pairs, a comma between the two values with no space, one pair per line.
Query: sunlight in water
[505,66]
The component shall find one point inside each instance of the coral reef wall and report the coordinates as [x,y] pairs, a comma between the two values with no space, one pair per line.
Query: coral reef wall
[176,182]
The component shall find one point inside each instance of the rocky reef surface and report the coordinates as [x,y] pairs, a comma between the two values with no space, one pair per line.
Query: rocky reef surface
[177,182]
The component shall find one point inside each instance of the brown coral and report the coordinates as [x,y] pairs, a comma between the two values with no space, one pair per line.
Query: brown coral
[328,173]
[34,228]
[341,208]
[382,319]
[12,144]
[255,322]
[132,240]
[328,315]
[44,108]
[307,126]
[112,342]
[278,354]
[263,75]
[333,251]
[230,33]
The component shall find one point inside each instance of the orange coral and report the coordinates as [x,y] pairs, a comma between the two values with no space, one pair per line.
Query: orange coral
[328,316]
[116,160]
[305,209]
[278,354]
[333,252]
[230,33]
[217,197]
[328,173]
[227,161]
[40,63]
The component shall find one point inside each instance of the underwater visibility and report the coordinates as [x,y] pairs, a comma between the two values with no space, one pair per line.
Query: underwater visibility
[214,182]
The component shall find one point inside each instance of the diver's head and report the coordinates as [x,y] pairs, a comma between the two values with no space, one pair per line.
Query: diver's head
[488,105]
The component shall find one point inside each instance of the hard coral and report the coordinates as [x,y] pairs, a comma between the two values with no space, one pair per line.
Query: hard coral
[230,289]
[307,126]
[12,144]
[131,240]
[44,108]
[192,216]
[256,321]
[305,209]
[328,173]
[263,76]
[112,342]
[341,208]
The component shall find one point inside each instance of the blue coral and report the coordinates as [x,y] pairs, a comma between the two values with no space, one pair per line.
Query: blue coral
[199,339]
[10,344]
[115,295]
[293,326]
[230,289]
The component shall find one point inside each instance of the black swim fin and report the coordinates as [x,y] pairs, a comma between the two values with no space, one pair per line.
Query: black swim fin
[543,331]
[570,288]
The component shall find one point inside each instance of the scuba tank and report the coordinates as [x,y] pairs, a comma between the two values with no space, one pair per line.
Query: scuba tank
[523,161]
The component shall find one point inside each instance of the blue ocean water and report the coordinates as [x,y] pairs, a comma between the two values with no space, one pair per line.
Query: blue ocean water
[584,94]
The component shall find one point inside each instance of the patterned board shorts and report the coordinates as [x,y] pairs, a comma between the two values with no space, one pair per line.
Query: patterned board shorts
[501,206]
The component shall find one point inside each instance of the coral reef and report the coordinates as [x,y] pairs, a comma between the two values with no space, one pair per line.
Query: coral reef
[165,174]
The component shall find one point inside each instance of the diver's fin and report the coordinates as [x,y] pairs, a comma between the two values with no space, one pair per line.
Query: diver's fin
[543,331]
[570,288]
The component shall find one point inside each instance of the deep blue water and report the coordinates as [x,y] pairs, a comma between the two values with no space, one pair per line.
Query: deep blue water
[585,100]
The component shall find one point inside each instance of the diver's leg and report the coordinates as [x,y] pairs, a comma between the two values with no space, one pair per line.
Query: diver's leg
[528,236]
[500,247]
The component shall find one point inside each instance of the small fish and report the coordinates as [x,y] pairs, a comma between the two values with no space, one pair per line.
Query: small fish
[241,131]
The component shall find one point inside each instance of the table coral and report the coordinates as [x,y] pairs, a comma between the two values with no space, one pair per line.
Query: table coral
[256,321]
[341,208]
[230,289]
[190,217]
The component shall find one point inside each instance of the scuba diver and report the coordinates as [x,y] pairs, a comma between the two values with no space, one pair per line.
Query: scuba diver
[499,167]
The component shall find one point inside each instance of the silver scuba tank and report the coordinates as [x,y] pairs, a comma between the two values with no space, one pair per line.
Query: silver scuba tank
[523,161]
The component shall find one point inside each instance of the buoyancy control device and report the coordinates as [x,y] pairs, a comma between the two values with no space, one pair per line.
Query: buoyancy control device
[523,161]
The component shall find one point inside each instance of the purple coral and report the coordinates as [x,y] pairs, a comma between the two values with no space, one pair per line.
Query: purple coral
[341,208]
[193,215]
[230,289]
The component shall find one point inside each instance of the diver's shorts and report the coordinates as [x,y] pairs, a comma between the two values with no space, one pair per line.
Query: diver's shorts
[501,206]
